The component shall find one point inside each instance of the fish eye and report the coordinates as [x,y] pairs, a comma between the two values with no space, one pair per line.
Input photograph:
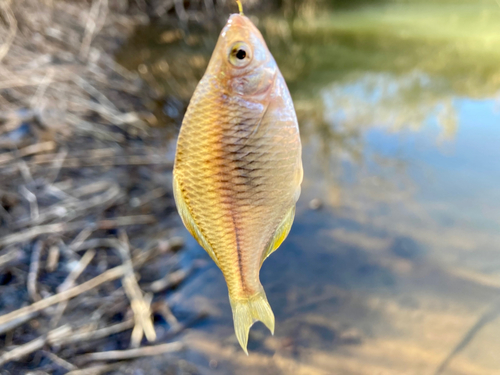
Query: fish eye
[240,54]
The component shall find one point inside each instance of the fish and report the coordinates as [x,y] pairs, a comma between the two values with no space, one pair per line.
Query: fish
[238,166]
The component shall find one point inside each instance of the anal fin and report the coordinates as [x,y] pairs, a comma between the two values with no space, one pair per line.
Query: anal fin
[280,234]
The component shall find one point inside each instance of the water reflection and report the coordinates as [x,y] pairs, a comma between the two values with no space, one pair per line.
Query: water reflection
[398,272]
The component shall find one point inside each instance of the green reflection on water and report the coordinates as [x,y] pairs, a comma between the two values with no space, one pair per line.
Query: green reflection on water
[454,46]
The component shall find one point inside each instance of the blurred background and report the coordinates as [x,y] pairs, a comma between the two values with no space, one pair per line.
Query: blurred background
[393,263]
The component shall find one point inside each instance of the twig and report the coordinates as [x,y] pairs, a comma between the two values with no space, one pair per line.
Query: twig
[22,82]
[105,107]
[109,275]
[181,12]
[116,302]
[117,68]
[61,362]
[13,323]
[25,171]
[34,345]
[94,370]
[164,310]
[97,334]
[57,165]
[20,315]
[31,198]
[487,317]
[40,91]
[174,331]
[10,255]
[125,221]
[148,197]
[142,312]
[97,242]
[36,148]
[70,282]
[11,19]
[139,258]
[89,127]
[170,280]
[4,214]
[92,188]
[94,24]
[92,162]
[33,272]
[75,207]
[138,330]
[93,154]
[29,234]
[80,238]
[53,258]
[146,351]
[77,271]
[56,191]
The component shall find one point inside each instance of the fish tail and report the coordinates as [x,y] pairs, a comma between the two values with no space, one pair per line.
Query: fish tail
[246,311]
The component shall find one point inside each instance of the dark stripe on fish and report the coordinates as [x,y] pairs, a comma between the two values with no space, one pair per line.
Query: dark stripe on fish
[239,255]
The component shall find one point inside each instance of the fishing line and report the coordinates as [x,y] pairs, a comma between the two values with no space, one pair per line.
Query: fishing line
[240,7]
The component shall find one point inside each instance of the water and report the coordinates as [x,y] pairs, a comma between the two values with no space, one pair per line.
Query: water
[398,270]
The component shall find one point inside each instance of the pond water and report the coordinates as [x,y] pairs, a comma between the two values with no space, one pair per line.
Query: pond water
[393,263]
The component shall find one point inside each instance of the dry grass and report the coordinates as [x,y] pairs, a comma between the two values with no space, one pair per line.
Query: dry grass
[80,169]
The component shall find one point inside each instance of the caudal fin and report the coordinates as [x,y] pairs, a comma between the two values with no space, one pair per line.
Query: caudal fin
[247,311]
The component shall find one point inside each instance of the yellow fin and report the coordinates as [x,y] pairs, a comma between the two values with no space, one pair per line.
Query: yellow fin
[247,311]
[189,222]
[280,234]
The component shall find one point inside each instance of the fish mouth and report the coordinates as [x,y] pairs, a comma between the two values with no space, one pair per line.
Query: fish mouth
[241,26]
[239,20]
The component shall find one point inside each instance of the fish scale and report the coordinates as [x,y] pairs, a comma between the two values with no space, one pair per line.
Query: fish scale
[238,168]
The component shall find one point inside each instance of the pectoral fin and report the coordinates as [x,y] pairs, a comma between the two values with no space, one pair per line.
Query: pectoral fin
[280,234]
[189,222]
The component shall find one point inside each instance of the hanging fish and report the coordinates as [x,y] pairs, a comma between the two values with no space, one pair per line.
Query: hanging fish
[238,167]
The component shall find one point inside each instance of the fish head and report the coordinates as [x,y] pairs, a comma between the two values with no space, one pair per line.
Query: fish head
[241,61]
